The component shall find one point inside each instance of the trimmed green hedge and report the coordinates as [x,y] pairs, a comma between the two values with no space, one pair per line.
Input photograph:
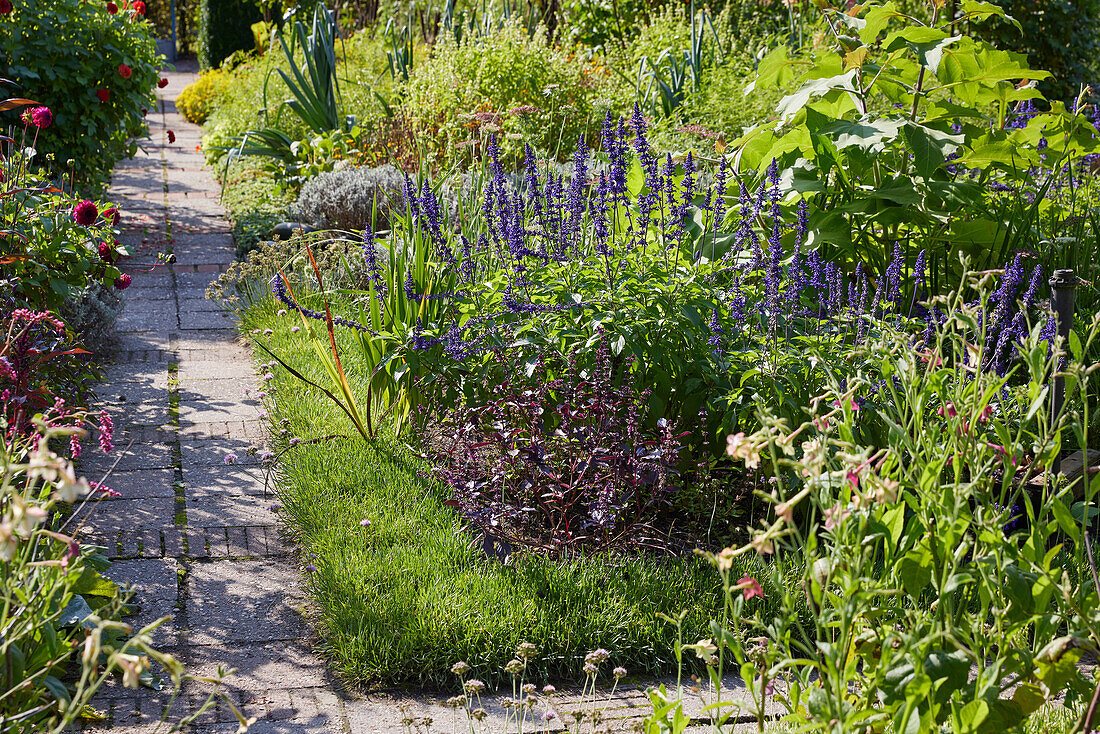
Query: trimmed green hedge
[225,26]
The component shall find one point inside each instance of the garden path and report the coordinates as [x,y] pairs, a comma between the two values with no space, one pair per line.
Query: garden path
[193,534]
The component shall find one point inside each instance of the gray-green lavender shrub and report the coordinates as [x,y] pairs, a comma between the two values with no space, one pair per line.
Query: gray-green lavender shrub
[92,315]
[352,199]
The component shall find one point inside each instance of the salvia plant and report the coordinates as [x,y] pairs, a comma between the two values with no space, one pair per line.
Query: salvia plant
[702,283]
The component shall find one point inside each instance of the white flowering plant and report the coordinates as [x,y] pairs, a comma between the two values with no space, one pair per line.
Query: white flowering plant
[61,632]
[932,570]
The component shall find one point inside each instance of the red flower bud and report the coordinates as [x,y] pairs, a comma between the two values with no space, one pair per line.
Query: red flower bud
[122,282]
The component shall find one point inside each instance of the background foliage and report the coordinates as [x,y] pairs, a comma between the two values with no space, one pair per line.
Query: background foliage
[62,52]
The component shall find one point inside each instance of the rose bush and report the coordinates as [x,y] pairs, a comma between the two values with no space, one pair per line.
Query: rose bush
[94,65]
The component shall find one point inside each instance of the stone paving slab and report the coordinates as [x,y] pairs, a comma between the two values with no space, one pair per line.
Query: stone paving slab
[261,665]
[244,601]
[151,315]
[225,481]
[208,511]
[128,458]
[155,586]
[113,517]
[141,484]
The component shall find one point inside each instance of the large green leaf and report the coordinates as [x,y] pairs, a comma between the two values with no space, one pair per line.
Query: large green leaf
[867,134]
[790,105]
[930,147]
[928,44]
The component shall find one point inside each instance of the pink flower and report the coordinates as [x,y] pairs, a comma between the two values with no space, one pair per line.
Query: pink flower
[104,252]
[112,215]
[41,117]
[85,213]
[835,515]
[122,282]
[750,587]
[105,490]
[230,458]
[125,71]
[106,432]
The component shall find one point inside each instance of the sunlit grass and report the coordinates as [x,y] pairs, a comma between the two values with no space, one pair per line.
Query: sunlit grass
[403,598]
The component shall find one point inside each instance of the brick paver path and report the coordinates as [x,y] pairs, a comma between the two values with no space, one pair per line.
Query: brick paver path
[193,535]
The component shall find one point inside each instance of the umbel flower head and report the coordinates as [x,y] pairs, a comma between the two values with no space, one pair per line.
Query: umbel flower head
[85,213]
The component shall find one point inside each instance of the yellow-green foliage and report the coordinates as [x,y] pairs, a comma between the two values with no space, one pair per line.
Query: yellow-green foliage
[200,98]
[508,83]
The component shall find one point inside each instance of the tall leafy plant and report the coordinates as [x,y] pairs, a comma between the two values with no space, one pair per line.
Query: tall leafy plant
[314,91]
[899,129]
[678,72]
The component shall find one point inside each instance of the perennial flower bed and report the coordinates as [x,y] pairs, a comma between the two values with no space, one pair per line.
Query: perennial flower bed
[796,384]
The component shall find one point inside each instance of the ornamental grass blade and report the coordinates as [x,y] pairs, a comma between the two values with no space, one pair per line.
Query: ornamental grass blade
[12,102]
[341,376]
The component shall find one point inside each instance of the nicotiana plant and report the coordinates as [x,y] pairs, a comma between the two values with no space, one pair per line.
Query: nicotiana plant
[939,579]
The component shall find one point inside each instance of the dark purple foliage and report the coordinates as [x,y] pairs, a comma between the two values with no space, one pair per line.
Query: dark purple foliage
[564,465]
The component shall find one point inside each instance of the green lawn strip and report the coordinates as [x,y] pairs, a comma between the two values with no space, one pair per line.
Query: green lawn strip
[401,600]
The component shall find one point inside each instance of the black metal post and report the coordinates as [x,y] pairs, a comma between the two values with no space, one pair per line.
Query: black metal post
[1063,293]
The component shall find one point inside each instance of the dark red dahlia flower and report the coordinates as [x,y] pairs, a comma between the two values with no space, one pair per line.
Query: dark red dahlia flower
[85,213]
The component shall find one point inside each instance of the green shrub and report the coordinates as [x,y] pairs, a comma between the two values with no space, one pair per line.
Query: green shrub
[506,82]
[62,53]
[254,201]
[225,26]
[199,98]
[1059,36]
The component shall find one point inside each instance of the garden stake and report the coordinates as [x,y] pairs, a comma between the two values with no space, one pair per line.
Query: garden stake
[1063,291]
